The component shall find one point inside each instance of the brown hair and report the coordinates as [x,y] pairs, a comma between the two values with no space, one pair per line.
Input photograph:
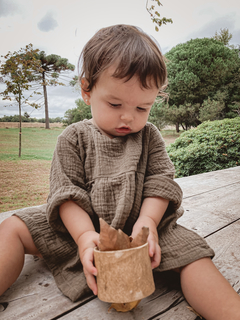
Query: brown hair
[132,50]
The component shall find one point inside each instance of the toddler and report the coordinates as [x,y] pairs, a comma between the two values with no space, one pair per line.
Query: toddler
[115,166]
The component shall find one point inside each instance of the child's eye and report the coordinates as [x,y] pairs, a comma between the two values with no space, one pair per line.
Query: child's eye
[114,105]
[141,109]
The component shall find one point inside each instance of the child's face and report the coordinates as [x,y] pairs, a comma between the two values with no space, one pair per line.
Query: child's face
[119,108]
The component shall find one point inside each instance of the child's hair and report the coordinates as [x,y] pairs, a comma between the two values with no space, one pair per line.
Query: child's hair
[130,49]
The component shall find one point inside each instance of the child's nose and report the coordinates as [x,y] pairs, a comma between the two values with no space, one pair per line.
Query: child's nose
[127,117]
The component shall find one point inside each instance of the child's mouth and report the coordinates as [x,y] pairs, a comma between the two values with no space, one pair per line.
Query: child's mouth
[123,130]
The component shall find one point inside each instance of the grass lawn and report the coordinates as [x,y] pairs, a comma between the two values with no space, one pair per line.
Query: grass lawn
[37,143]
[25,180]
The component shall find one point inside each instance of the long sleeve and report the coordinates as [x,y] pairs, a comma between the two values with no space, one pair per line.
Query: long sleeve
[67,178]
[160,171]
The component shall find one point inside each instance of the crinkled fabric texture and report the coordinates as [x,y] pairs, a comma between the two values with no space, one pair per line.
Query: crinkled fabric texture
[109,178]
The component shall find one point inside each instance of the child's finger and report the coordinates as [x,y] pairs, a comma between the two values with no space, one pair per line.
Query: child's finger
[88,262]
[151,247]
[154,252]
[156,259]
[91,282]
[89,270]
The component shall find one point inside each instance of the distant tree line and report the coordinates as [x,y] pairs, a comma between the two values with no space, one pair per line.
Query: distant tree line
[25,118]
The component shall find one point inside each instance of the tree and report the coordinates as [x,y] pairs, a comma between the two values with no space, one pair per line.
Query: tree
[81,112]
[156,115]
[198,70]
[155,15]
[236,107]
[212,109]
[223,36]
[184,115]
[18,70]
[51,68]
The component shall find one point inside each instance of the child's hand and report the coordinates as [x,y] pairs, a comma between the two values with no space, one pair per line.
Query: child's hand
[151,213]
[154,250]
[86,243]
[153,246]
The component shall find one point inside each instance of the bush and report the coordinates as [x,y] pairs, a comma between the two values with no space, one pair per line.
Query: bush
[81,112]
[213,145]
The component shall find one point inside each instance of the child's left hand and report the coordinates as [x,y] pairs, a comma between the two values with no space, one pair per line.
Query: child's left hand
[154,250]
[151,213]
[153,246]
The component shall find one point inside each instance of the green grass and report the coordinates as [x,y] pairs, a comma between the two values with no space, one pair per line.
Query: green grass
[173,133]
[37,143]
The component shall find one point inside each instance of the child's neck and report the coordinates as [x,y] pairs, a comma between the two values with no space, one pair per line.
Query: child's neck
[102,132]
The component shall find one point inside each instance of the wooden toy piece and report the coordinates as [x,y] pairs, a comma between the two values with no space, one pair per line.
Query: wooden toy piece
[141,238]
[124,275]
[112,239]
[124,267]
[124,307]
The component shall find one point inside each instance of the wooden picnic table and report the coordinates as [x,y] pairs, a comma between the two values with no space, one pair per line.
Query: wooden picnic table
[212,209]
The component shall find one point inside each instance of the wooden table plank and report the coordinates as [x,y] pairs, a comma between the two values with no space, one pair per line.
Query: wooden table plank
[226,244]
[34,295]
[208,212]
[208,181]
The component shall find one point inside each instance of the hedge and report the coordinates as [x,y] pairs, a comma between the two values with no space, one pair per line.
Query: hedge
[213,145]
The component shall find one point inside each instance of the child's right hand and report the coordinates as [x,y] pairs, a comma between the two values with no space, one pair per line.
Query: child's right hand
[86,243]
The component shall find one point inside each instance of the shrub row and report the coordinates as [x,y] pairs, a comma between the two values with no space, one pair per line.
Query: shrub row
[213,145]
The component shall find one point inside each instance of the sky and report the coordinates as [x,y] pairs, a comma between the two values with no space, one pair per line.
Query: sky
[63,28]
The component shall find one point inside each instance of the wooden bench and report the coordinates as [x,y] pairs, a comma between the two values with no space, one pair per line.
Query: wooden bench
[212,209]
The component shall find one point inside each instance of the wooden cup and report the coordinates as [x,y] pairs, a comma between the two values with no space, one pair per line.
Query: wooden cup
[124,275]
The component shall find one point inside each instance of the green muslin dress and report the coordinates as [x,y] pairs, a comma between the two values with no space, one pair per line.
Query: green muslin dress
[109,178]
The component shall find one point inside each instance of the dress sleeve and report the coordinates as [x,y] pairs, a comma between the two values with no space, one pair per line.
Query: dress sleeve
[66,178]
[160,172]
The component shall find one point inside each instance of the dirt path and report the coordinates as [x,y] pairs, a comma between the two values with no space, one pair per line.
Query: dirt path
[29,125]
[23,183]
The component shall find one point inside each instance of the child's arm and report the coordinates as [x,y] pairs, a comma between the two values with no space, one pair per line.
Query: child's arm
[151,213]
[81,228]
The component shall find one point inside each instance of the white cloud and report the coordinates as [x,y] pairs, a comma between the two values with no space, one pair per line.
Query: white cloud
[47,23]
[8,7]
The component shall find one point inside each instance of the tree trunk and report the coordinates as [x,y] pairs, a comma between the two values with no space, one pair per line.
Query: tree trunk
[45,102]
[20,125]
[184,128]
[177,127]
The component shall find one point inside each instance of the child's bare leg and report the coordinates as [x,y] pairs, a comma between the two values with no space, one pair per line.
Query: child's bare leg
[15,241]
[208,292]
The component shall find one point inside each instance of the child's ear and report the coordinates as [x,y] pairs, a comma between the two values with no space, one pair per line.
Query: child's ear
[85,94]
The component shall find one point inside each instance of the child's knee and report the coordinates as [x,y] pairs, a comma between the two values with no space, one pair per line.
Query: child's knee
[15,229]
[12,226]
